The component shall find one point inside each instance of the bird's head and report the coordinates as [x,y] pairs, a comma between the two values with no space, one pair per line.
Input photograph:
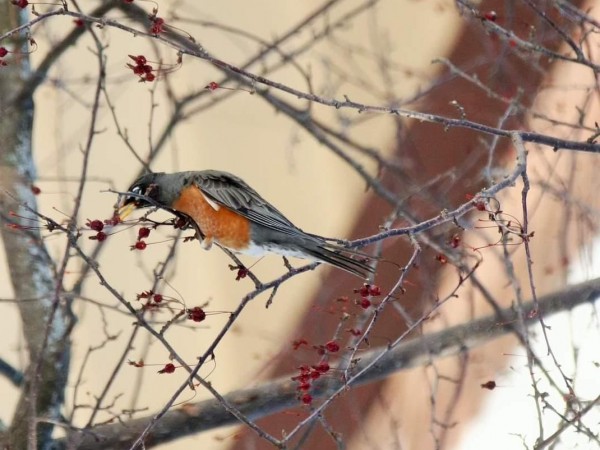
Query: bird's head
[143,193]
[153,189]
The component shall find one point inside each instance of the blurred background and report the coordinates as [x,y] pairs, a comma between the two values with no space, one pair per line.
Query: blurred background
[307,160]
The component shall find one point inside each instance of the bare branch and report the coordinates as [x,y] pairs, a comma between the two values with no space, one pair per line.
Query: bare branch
[282,394]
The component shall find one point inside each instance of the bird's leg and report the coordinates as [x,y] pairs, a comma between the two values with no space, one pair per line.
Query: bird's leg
[184,222]
[287,264]
[206,242]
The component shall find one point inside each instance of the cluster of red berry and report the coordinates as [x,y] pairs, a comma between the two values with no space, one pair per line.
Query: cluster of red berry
[142,68]
[366,292]
[307,375]
[98,227]
[158,25]
[140,244]
[196,314]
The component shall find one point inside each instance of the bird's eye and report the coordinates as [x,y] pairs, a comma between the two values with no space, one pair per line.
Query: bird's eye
[137,190]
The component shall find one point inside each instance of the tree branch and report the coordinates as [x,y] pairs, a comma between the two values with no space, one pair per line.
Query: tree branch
[10,373]
[373,365]
[31,268]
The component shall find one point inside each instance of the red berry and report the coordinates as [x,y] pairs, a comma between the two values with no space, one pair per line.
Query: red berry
[241,273]
[212,86]
[332,347]
[20,3]
[306,399]
[301,378]
[304,369]
[455,241]
[157,298]
[143,232]
[322,367]
[365,303]
[139,245]
[79,23]
[3,52]
[139,60]
[95,225]
[157,25]
[304,386]
[299,342]
[363,290]
[36,190]
[490,15]
[196,314]
[150,77]
[374,290]
[169,368]
[478,203]
[100,236]
[114,220]
[145,294]
[147,68]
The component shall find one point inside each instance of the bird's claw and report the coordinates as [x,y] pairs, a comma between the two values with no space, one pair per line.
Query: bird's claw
[206,243]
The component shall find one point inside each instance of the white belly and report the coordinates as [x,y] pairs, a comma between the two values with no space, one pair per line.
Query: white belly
[255,250]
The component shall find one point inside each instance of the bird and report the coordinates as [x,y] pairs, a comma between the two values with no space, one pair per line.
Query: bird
[227,211]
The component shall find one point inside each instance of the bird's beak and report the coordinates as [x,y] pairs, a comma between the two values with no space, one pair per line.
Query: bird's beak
[125,210]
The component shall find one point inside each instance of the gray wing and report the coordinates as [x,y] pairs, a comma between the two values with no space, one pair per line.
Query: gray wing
[233,192]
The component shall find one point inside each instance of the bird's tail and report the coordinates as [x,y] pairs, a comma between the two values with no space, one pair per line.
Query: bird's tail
[340,257]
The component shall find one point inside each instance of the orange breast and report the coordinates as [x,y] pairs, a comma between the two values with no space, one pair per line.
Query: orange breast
[224,226]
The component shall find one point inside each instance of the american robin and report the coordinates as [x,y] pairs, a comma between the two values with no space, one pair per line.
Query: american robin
[229,212]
